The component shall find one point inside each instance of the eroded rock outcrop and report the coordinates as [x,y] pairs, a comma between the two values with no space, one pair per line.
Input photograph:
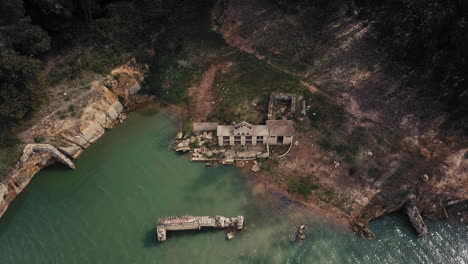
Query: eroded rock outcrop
[30,149]
[100,108]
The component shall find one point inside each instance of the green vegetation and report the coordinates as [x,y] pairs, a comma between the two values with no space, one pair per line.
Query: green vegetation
[247,85]
[309,186]
[187,130]
[332,123]
[194,144]
[186,50]
[88,37]
[21,87]
[325,114]
[374,173]
[10,151]
[270,167]
[39,139]
[303,186]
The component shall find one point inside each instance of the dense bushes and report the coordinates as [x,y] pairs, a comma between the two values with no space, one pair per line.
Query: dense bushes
[96,34]
[21,82]
[20,86]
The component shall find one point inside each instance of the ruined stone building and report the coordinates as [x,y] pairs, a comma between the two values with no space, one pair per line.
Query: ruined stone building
[278,130]
[275,132]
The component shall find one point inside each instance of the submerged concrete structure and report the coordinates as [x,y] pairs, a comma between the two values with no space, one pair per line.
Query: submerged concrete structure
[188,222]
[416,219]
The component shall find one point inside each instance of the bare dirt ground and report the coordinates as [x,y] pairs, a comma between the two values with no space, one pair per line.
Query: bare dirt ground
[201,95]
[400,137]
[263,185]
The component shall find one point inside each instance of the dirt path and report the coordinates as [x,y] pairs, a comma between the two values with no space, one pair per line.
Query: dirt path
[201,94]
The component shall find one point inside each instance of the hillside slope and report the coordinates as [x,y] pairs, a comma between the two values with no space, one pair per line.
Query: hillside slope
[371,136]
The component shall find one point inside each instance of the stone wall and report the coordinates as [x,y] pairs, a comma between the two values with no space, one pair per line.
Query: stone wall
[204,126]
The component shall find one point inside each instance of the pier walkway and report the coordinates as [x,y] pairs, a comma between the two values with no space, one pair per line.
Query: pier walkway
[174,223]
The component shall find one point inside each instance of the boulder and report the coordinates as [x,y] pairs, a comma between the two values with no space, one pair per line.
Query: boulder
[71,151]
[118,108]
[230,235]
[425,177]
[92,131]
[74,137]
[240,164]
[134,88]
[255,167]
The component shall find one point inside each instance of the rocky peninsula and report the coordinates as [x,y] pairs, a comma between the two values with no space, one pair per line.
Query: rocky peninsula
[100,108]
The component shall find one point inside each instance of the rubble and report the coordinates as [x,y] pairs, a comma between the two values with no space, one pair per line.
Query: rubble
[240,164]
[425,177]
[301,232]
[255,167]
[336,164]
[229,235]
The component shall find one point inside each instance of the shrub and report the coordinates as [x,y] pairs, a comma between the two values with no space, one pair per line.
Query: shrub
[303,186]
[39,139]
[194,144]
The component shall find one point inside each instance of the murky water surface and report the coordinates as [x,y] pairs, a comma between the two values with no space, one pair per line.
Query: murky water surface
[105,211]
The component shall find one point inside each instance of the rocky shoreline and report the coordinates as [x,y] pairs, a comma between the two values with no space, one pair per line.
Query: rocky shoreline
[102,107]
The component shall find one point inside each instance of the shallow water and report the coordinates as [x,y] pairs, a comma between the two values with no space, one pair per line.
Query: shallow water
[105,211]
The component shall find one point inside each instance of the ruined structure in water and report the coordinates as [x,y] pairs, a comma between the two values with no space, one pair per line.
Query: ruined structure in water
[174,223]
[416,219]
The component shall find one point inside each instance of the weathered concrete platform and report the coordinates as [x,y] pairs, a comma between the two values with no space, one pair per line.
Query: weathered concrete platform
[188,222]
[416,218]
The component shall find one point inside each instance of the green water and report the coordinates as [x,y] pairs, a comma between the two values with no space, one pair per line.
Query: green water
[105,212]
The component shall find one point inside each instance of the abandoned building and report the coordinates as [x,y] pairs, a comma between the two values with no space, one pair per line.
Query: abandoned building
[282,106]
[275,132]
[278,130]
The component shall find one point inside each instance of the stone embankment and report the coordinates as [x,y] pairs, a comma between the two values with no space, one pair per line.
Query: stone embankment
[100,108]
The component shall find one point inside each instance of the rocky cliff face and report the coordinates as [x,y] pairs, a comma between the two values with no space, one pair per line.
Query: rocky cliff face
[100,108]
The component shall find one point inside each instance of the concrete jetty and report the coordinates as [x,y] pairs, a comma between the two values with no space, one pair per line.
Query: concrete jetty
[188,222]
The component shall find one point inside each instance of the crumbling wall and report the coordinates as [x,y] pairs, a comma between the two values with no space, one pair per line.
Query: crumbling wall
[204,126]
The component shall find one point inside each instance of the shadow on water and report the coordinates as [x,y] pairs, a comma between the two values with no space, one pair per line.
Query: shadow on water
[57,168]
[404,221]
[20,202]
[150,110]
[149,239]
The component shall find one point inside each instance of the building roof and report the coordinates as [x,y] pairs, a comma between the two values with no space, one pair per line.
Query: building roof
[222,130]
[261,130]
[243,124]
[280,127]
